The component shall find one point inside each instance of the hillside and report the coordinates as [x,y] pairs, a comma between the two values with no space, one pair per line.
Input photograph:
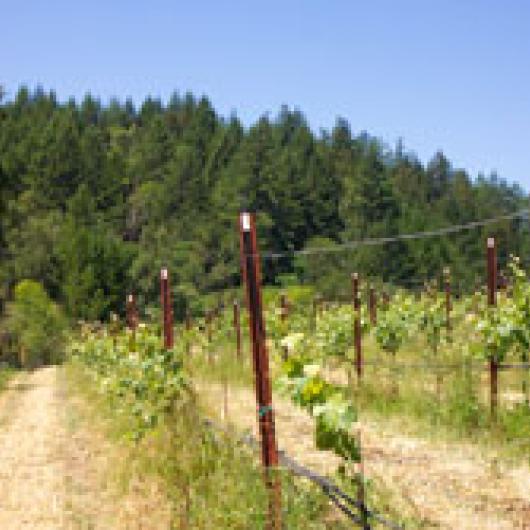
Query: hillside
[94,198]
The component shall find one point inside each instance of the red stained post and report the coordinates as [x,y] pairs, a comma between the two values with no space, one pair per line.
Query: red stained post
[251,275]
[492,271]
[132,313]
[132,319]
[167,311]
[448,303]
[284,307]
[372,306]
[284,313]
[209,325]
[357,324]
[492,301]
[188,328]
[237,328]
[386,300]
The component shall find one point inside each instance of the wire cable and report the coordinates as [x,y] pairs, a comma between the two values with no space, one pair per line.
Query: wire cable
[399,237]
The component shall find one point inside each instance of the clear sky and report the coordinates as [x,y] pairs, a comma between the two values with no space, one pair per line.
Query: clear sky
[441,74]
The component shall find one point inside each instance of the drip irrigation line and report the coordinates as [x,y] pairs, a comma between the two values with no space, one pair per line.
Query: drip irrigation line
[387,364]
[329,488]
[340,498]
[514,366]
[372,454]
[474,364]
[349,245]
[522,441]
[344,509]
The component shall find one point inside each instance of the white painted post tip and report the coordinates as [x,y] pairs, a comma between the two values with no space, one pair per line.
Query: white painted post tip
[130,298]
[245,221]
[355,275]
[491,242]
[163,273]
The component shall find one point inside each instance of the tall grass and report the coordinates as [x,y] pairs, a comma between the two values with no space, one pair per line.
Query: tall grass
[211,479]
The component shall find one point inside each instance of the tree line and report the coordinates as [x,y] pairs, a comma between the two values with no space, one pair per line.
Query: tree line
[95,198]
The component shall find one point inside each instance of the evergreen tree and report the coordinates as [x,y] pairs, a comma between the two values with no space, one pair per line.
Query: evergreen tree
[95,198]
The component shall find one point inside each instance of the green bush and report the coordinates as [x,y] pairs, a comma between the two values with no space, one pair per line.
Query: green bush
[37,324]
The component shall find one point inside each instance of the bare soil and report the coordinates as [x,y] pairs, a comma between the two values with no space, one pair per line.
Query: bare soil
[59,472]
[455,486]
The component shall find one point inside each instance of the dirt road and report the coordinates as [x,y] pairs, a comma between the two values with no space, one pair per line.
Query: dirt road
[56,471]
[451,486]
[32,472]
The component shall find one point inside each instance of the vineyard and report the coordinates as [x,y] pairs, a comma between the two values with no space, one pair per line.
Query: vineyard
[456,364]
[265,266]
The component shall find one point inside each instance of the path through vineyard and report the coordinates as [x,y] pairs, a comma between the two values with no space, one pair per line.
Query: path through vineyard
[54,470]
[452,486]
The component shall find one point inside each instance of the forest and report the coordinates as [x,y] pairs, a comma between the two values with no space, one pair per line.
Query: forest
[95,198]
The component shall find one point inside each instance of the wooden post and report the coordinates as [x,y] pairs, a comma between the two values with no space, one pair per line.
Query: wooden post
[492,302]
[209,326]
[357,324]
[448,304]
[132,312]
[284,313]
[386,300]
[251,275]
[492,272]
[132,319]
[167,311]
[284,307]
[372,306]
[188,328]
[237,328]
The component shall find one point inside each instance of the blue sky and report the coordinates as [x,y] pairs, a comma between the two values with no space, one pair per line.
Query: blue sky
[451,74]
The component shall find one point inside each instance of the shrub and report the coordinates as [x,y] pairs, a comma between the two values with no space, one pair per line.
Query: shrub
[37,324]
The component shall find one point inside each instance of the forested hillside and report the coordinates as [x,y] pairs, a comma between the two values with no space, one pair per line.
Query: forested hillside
[93,198]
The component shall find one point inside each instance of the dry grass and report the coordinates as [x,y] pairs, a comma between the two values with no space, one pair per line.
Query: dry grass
[433,483]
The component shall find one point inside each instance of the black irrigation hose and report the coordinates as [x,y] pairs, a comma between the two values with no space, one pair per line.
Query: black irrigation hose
[474,365]
[344,509]
[330,489]
[426,366]
[514,366]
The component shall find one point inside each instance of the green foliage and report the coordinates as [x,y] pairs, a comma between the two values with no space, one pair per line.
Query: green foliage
[94,262]
[143,385]
[149,398]
[334,331]
[95,198]
[432,318]
[334,420]
[395,324]
[506,327]
[327,403]
[325,270]
[37,324]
